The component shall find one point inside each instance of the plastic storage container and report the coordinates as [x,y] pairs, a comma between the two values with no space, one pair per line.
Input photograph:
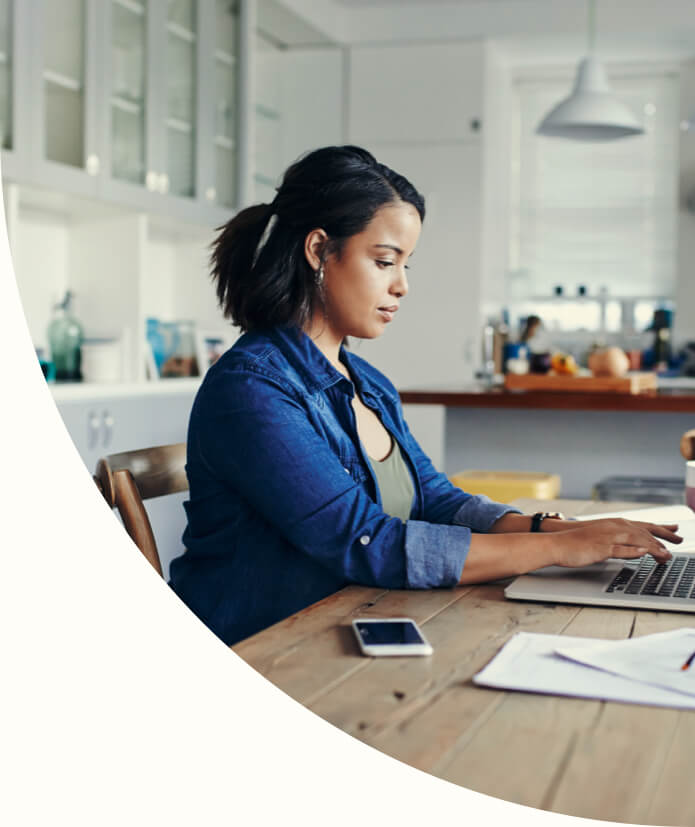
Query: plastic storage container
[664,490]
[505,486]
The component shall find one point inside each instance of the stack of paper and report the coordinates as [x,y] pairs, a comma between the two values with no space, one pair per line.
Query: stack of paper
[644,670]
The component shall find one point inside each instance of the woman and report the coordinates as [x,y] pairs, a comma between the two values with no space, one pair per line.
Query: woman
[303,474]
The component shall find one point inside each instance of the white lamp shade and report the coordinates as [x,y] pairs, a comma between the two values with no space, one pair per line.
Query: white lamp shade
[590,113]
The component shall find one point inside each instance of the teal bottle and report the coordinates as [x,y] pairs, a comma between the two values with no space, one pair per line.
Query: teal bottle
[65,336]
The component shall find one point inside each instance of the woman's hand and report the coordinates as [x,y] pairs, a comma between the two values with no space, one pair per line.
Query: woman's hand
[592,541]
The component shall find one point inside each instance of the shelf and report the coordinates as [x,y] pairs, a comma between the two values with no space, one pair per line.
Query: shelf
[177,125]
[266,112]
[126,105]
[132,6]
[223,142]
[181,32]
[80,391]
[224,57]
[594,298]
[64,81]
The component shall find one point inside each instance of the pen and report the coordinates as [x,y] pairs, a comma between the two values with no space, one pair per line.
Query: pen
[686,665]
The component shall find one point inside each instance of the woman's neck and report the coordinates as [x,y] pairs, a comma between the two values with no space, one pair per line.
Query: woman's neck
[327,341]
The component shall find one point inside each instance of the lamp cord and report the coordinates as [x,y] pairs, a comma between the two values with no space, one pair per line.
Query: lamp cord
[591,25]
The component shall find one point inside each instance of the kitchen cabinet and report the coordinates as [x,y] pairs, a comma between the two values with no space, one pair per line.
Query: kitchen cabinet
[133,102]
[118,421]
[400,93]
[15,126]
[141,117]
[173,121]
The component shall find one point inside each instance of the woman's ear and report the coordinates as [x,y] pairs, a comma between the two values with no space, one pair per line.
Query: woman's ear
[314,246]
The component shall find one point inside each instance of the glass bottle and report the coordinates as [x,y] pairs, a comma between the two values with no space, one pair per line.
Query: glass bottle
[65,336]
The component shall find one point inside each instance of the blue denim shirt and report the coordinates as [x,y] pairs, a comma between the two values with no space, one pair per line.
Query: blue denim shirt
[284,508]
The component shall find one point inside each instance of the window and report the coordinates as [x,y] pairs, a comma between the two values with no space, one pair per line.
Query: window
[603,215]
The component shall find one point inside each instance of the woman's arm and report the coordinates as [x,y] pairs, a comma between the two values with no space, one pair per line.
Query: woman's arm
[514,550]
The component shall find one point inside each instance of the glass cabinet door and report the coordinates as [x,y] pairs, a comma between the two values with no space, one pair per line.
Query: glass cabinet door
[225,101]
[6,75]
[180,115]
[268,117]
[63,77]
[127,92]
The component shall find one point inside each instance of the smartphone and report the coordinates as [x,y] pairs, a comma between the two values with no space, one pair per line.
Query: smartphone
[390,636]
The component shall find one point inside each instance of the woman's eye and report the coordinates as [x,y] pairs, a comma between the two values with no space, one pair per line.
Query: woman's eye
[384,263]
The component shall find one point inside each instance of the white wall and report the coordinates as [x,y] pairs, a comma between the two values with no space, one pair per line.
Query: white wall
[40,255]
[684,328]
[414,108]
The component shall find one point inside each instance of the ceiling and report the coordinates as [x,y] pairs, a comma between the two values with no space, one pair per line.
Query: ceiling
[526,31]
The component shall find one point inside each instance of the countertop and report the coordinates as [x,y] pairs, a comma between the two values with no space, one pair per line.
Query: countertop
[672,396]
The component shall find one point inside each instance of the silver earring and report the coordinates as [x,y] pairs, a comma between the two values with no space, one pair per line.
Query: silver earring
[319,276]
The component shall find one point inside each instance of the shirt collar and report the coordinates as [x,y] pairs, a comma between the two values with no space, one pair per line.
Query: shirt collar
[316,371]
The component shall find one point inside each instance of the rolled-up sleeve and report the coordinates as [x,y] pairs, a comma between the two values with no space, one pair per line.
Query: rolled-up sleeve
[480,513]
[435,554]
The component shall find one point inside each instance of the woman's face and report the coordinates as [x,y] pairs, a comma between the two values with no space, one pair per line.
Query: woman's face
[363,287]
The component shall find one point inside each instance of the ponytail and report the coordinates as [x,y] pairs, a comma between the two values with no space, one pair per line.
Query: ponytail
[261,273]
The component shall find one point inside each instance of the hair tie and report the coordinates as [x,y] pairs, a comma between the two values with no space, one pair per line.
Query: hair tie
[272,221]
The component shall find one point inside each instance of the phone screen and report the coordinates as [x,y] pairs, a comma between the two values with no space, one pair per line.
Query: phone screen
[382,633]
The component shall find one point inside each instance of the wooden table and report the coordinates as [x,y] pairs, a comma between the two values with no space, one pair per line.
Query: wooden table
[595,759]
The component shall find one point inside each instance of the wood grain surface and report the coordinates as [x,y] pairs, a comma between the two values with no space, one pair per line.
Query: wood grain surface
[632,383]
[659,401]
[596,759]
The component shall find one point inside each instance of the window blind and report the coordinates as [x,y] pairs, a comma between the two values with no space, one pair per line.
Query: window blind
[602,215]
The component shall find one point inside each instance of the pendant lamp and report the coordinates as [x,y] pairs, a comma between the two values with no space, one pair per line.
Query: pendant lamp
[591,112]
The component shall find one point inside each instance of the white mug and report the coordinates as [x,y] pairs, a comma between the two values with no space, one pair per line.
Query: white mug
[101,361]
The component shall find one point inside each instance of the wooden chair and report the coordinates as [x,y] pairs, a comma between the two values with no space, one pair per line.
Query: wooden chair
[128,478]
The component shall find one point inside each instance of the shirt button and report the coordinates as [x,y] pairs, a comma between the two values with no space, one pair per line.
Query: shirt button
[365,539]
[347,470]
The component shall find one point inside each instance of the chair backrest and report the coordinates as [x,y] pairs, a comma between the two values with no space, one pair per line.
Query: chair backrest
[128,478]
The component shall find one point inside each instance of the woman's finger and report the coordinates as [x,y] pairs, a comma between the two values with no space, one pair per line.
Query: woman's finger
[628,552]
[665,532]
[661,555]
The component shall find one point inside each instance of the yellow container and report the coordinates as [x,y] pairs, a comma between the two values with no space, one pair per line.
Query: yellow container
[505,486]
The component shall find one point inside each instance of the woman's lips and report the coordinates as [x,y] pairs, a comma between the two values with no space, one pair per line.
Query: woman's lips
[387,313]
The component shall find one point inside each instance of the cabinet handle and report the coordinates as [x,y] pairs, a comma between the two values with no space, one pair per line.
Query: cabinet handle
[151,181]
[93,165]
[92,430]
[108,423]
[211,193]
[163,183]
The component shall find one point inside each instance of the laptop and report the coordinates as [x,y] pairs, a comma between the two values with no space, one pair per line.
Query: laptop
[639,584]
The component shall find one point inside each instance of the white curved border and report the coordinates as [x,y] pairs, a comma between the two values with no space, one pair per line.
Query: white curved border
[118,706]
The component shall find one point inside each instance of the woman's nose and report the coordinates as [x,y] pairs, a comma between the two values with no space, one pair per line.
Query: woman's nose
[400,286]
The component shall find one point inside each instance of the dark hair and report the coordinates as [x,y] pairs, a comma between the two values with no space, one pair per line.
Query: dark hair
[530,325]
[261,274]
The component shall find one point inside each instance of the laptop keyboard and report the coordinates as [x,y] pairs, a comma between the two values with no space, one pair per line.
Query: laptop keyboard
[672,579]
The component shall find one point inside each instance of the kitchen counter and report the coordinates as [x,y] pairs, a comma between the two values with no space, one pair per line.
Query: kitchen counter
[663,400]
[583,437]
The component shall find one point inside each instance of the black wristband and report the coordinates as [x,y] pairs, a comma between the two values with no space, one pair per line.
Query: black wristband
[536,521]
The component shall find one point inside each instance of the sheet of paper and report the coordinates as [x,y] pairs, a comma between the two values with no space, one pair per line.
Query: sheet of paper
[528,663]
[654,660]
[680,514]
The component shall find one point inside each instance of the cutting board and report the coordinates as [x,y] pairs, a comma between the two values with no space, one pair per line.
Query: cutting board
[632,383]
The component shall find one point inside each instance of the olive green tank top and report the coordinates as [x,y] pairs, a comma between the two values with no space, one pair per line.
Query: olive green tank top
[394,483]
